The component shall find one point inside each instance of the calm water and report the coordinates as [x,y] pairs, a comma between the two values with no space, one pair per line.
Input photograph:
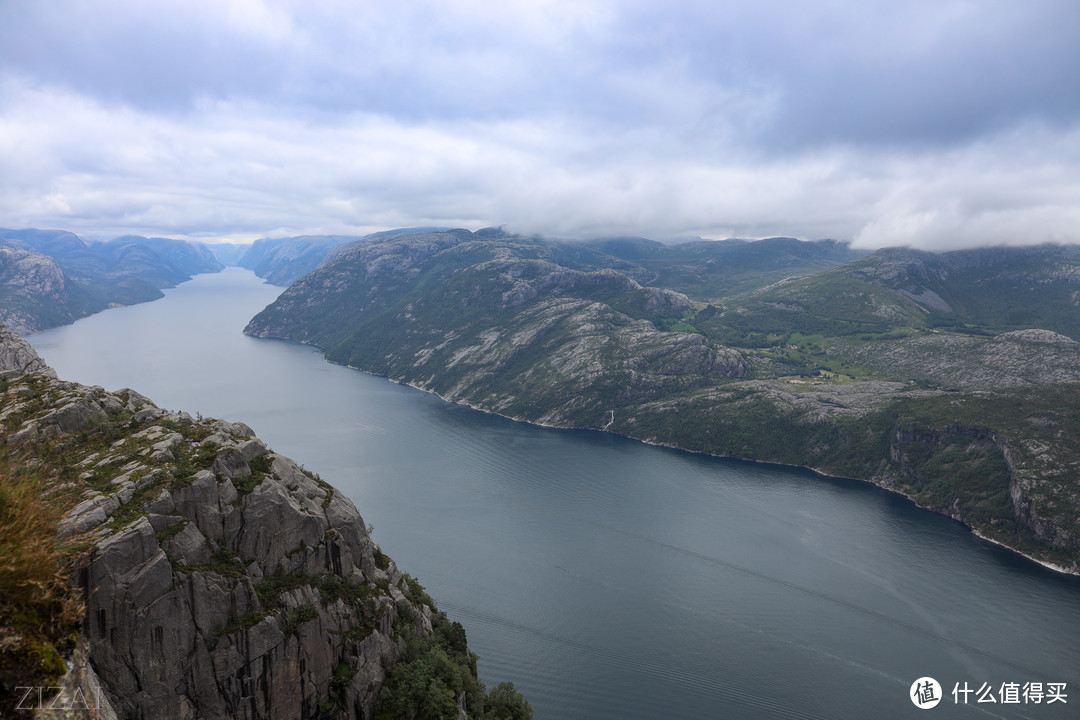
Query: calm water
[606,578]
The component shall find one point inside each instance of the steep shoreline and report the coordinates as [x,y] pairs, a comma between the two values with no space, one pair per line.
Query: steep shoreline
[675,446]
[979,430]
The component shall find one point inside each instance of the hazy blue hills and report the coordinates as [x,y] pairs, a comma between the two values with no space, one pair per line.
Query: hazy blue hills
[52,277]
[162,260]
[951,378]
[283,260]
[229,254]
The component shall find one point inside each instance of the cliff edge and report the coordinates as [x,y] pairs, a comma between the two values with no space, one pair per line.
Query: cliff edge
[213,578]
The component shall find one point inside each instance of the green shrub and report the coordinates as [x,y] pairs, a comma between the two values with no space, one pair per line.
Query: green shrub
[40,613]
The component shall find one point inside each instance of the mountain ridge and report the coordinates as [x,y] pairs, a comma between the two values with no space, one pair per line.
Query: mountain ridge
[53,277]
[500,325]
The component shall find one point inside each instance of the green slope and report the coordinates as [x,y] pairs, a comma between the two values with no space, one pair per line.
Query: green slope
[706,271]
[885,368]
[496,323]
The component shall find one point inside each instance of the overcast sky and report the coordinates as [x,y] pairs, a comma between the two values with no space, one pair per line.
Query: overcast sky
[936,124]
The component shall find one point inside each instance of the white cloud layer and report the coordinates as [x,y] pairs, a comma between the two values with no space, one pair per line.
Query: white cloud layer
[933,124]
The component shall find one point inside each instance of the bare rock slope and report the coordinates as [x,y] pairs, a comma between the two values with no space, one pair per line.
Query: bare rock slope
[220,580]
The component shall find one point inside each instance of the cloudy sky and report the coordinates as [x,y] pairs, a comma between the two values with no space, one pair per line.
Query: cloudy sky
[932,123]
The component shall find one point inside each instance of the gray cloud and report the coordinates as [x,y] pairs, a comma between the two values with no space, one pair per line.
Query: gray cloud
[902,73]
[936,124]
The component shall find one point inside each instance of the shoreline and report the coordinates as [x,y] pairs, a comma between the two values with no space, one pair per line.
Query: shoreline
[672,446]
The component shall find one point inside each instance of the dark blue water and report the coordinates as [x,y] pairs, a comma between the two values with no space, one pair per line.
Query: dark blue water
[605,578]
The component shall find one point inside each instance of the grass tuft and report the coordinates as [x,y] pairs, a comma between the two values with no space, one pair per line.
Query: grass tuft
[40,611]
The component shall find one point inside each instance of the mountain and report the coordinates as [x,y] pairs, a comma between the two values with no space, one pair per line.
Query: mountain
[417,231]
[163,261]
[183,569]
[34,292]
[282,260]
[229,254]
[53,277]
[72,252]
[987,290]
[491,322]
[856,369]
[706,270]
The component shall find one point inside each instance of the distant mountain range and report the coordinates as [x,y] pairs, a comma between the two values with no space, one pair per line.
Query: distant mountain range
[706,269]
[53,277]
[282,261]
[229,254]
[952,378]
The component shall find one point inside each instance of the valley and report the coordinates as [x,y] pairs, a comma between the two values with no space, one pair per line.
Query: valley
[830,369]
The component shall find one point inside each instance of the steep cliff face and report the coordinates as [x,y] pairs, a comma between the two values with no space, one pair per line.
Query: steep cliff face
[1043,481]
[219,579]
[33,290]
[973,457]
[1017,484]
[16,355]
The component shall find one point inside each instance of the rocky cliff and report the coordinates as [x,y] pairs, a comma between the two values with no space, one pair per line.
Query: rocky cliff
[16,355]
[218,579]
[33,291]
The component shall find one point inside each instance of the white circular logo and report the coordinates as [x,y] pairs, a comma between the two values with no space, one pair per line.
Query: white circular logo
[925,693]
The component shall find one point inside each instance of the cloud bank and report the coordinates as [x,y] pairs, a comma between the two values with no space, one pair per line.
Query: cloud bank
[933,124]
